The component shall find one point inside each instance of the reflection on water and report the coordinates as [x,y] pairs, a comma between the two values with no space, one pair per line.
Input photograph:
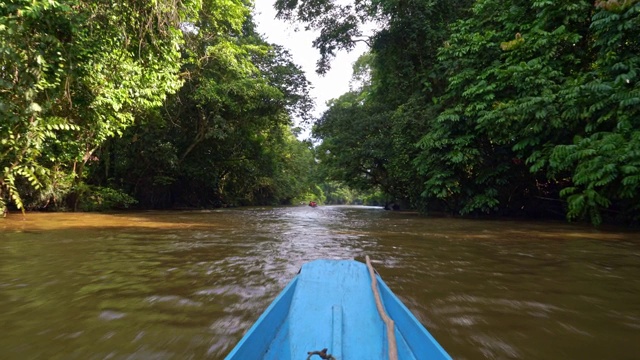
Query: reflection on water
[187,285]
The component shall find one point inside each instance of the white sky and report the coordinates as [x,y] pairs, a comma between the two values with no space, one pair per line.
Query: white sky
[327,87]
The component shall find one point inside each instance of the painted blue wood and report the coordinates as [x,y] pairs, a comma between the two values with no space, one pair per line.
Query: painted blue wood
[330,305]
[336,335]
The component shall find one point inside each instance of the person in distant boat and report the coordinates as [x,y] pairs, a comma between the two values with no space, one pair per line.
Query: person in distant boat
[313,204]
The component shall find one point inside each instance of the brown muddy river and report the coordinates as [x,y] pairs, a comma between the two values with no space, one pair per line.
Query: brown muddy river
[187,285]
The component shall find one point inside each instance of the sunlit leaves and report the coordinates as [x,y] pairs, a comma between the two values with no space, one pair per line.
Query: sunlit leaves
[76,73]
[495,113]
[223,138]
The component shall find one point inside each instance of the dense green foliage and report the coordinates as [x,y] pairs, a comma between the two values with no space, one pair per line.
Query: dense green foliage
[488,106]
[105,104]
[472,107]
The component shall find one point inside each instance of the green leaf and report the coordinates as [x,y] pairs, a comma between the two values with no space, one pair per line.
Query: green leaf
[35,107]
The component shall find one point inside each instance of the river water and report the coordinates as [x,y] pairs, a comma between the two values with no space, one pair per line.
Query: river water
[187,285]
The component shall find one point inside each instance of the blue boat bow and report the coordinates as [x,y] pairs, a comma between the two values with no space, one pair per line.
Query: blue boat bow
[330,306]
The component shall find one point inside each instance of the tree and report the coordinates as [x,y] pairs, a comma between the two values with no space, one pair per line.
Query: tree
[603,160]
[224,138]
[351,149]
[511,104]
[501,109]
[393,105]
[75,73]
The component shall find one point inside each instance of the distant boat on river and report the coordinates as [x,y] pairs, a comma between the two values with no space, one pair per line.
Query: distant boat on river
[339,310]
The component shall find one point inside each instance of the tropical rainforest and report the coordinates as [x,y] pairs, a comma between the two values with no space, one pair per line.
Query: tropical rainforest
[486,107]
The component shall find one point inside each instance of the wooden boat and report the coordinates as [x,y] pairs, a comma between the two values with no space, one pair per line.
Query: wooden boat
[340,310]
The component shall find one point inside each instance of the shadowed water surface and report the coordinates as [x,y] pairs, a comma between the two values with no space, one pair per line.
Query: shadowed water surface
[187,285]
